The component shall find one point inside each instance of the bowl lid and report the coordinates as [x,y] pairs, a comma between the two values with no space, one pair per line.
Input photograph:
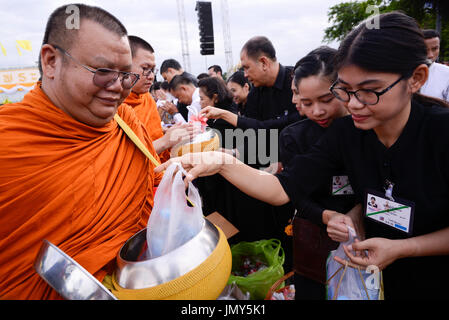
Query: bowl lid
[68,277]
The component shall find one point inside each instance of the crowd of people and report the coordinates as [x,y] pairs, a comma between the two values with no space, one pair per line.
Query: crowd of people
[323,141]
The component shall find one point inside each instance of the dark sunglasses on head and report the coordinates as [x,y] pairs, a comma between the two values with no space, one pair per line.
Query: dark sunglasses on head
[104,77]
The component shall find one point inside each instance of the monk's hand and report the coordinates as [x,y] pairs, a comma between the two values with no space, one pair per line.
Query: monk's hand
[199,164]
[379,252]
[211,112]
[177,133]
[337,225]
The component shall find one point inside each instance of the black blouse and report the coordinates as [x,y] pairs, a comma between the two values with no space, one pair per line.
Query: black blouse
[296,139]
[418,165]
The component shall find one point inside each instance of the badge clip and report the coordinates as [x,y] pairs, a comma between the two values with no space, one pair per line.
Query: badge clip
[389,190]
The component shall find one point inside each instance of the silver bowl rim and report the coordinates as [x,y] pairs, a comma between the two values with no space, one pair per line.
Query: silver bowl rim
[89,276]
[129,262]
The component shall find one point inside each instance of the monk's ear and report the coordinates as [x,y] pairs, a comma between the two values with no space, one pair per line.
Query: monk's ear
[48,60]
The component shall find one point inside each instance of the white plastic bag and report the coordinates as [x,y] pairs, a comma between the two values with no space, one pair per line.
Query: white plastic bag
[346,282]
[172,222]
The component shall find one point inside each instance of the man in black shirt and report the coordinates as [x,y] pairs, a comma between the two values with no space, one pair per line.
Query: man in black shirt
[269,103]
[169,69]
[269,106]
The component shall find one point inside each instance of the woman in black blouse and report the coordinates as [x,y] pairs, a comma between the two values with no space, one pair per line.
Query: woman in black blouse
[213,92]
[239,86]
[395,145]
[313,76]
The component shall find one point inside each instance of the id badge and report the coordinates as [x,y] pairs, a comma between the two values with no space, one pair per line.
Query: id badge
[341,186]
[397,214]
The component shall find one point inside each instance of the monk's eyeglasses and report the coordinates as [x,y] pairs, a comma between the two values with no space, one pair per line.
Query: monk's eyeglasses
[147,71]
[104,77]
[365,96]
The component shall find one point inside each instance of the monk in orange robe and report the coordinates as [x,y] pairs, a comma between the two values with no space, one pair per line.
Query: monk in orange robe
[69,173]
[146,110]
[145,106]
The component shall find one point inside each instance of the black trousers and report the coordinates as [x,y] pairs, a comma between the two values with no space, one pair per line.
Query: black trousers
[308,289]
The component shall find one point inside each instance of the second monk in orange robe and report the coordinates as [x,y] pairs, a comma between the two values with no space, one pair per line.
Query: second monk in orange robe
[145,106]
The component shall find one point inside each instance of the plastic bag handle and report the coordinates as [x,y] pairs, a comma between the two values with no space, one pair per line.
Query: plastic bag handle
[184,172]
[277,284]
[275,244]
[341,278]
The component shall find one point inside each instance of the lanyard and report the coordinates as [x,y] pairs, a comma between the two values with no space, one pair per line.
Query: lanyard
[134,138]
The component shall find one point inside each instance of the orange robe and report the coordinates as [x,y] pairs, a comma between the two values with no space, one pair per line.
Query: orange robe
[87,190]
[147,112]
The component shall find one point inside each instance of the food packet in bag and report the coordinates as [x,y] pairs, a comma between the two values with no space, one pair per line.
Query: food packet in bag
[173,221]
[347,282]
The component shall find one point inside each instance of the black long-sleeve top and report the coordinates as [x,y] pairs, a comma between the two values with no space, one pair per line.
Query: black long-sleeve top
[296,139]
[417,163]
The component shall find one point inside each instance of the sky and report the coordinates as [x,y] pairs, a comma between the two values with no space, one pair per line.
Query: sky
[295,27]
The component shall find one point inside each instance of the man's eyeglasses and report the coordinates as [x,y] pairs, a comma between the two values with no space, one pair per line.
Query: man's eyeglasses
[365,96]
[104,77]
[147,71]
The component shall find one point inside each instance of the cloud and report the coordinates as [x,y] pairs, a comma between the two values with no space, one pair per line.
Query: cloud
[294,26]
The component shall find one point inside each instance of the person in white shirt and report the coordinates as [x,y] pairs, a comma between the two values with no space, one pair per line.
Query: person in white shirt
[437,84]
[187,93]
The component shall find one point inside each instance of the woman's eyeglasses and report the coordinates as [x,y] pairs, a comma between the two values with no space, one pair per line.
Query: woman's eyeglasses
[104,77]
[365,96]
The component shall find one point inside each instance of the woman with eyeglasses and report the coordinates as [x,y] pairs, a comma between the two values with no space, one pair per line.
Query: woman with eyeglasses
[313,76]
[394,145]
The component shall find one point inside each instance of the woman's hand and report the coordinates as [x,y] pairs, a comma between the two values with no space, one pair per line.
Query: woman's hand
[356,216]
[378,252]
[212,112]
[337,225]
[199,164]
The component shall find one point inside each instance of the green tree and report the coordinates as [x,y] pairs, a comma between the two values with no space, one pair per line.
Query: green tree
[430,14]
[345,16]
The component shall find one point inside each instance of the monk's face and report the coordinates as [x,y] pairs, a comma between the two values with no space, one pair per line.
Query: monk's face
[76,93]
[144,64]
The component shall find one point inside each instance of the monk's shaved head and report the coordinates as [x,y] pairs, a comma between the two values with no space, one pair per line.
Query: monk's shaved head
[62,29]
[138,43]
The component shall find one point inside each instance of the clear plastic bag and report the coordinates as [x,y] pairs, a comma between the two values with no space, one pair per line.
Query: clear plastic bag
[173,222]
[346,282]
[232,292]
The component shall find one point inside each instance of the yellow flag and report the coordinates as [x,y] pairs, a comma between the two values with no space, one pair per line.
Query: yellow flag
[3,49]
[24,44]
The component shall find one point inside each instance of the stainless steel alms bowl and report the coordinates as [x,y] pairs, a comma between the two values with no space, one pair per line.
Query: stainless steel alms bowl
[67,277]
[134,274]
